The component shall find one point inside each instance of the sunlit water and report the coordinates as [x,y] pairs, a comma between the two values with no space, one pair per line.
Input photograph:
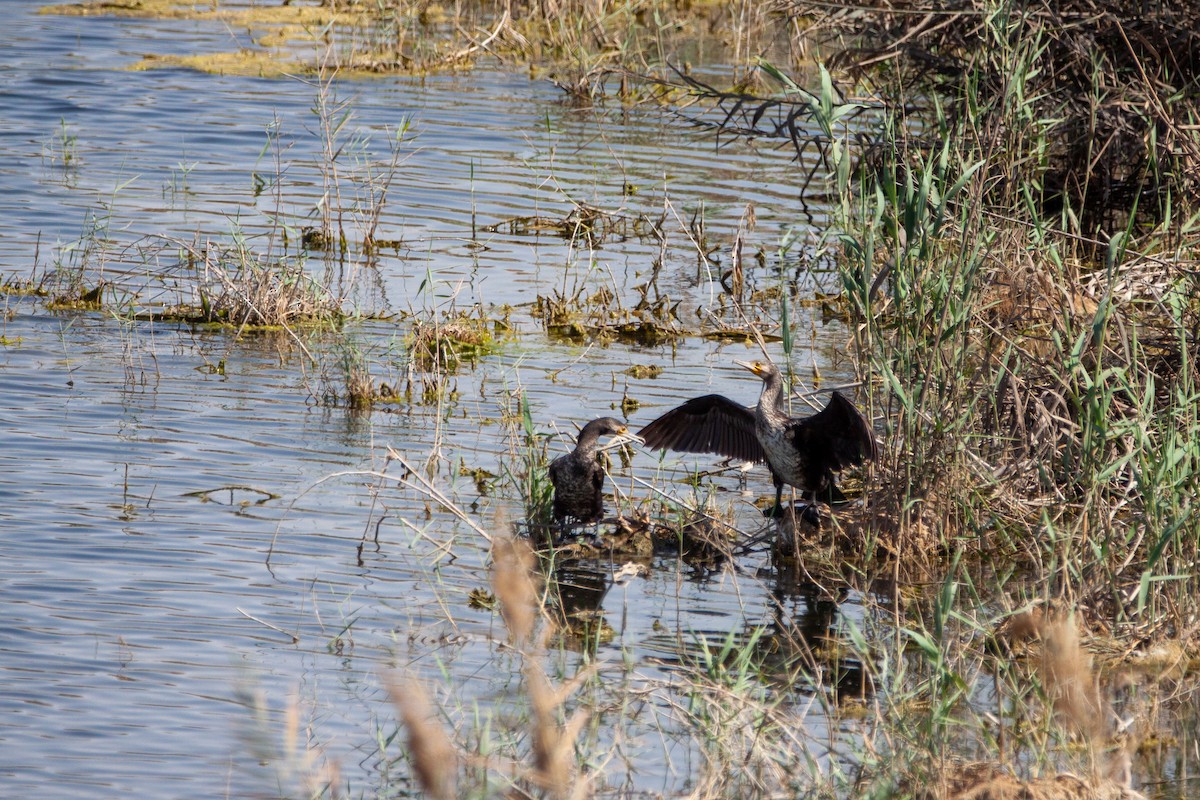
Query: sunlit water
[189,534]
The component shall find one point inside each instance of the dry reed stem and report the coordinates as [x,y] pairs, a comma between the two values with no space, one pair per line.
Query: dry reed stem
[434,758]
[319,775]
[553,744]
[512,580]
[414,480]
[1068,678]
[1070,683]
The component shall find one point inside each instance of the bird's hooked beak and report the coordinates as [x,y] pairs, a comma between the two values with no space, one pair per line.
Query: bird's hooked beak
[753,366]
[627,435]
[621,438]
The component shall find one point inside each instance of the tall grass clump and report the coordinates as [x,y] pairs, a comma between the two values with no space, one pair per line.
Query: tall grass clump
[355,183]
[444,342]
[1108,88]
[236,286]
[1035,378]
[581,45]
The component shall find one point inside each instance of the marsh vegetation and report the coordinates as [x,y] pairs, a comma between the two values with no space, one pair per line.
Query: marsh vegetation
[992,246]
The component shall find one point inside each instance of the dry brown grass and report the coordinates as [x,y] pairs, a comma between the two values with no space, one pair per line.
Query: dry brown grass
[553,743]
[434,758]
[584,45]
[515,587]
[1079,705]
[233,285]
[550,764]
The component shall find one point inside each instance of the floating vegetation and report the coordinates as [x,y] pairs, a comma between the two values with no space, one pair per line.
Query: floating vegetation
[746,334]
[644,371]
[234,14]
[443,345]
[482,599]
[316,239]
[249,63]
[482,478]
[80,298]
[23,287]
[584,223]
[647,334]
[600,316]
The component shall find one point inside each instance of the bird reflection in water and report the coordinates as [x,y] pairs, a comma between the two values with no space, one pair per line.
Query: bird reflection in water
[577,591]
[805,631]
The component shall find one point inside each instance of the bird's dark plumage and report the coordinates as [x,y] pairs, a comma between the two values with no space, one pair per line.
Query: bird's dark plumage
[578,476]
[801,451]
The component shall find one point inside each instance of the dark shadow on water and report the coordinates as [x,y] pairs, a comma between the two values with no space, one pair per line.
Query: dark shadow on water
[805,631]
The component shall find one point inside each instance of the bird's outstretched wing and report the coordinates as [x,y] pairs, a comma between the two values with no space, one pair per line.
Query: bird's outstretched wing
[839,435]
[708,424]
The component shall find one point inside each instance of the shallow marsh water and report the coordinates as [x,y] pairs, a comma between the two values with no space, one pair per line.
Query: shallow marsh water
[191,542]
[150,469]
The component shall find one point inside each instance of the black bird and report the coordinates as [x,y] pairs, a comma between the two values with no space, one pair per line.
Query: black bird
[800,451]
[578,476]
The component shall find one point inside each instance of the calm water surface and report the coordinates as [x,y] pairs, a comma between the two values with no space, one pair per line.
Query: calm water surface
[180,544]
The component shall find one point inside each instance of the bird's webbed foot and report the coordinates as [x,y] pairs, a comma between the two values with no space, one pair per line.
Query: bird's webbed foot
[807,512]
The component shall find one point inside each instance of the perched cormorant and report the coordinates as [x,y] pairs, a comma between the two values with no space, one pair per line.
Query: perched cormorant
[578,477]
[801,451]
